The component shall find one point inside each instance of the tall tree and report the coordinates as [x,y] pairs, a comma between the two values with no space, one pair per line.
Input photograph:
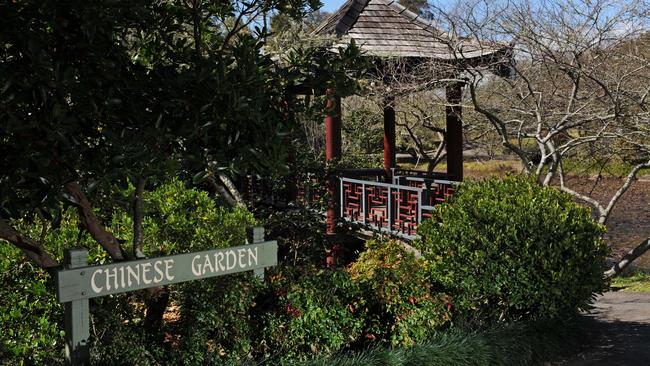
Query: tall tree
[578,91]
[94,94]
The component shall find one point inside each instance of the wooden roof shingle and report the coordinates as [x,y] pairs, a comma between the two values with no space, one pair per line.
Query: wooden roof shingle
[387,29]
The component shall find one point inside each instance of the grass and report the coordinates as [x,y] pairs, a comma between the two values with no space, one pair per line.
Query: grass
[520,344]
[638,282]
[476,168]
[609,168]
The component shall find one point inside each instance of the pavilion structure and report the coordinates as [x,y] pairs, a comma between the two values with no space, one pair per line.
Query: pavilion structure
[385,30]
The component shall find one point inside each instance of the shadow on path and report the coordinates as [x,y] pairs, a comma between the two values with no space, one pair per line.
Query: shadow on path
[618,331]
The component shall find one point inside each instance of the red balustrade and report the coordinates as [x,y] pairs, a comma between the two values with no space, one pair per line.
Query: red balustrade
[393,208]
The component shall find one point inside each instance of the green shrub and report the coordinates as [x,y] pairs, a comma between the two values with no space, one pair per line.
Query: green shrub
[401,308]
[179,219]
[212,312]
[215,325]
[320,314]
[117,334]
[510,249]
[300,234]
[30,315]
[526,343]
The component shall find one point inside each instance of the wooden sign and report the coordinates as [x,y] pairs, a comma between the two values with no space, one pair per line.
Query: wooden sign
[95,281]
[79,282]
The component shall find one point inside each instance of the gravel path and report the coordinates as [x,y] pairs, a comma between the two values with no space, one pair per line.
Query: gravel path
[618,330]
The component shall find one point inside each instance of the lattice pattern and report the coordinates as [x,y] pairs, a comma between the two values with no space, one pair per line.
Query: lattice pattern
[406,211]
[377,202]
[392,207]
[352,201]
[310,189]
[438,192]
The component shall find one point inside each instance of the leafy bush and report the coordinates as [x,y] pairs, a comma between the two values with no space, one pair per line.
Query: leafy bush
[401,306]
[318,315]
[179,219]
[215,325]
[212,315]
[300,234]
[510,249]
[528,343]
[30,316]
[117,334]
[210,312]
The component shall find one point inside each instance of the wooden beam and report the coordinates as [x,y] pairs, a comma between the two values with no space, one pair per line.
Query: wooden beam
[454,122]
[333,126]
[389,136]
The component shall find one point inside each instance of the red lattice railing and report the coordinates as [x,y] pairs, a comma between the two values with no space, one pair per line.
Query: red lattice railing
[393,208]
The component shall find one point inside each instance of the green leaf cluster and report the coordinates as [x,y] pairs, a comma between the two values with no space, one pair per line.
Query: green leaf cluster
[401,305]
[319,314]
[30,316]
[508,249]
[178,219]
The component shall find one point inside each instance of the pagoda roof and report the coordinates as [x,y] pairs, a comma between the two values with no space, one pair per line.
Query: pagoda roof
[385,28]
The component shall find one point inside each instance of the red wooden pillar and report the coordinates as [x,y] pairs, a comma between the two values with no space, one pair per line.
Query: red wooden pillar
[389,137]
[454,113]
[332,152]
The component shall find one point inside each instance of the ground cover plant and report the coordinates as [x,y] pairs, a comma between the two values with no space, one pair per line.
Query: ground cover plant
[518,344]
[632,282]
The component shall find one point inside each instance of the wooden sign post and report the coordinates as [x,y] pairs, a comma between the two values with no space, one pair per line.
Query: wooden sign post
[78,282]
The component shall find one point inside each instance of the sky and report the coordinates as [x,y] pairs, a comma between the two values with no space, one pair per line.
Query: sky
[331,5]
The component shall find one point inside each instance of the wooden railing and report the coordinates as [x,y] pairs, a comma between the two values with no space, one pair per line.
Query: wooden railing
[397,209]
[410,173]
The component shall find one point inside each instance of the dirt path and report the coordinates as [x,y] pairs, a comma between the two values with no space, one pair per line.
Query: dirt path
[618,331]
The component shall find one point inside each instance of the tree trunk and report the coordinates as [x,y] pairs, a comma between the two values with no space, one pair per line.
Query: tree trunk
[32,249]
[223,192]
[628,259]
[157,299]
[90,222]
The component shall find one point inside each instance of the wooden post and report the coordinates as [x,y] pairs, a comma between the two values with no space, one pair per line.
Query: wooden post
[332,152]
[389,137]
[255,235]
[77,316]
[454,113]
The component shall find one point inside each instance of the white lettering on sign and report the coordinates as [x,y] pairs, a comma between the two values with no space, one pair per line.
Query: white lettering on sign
[149,273]
[131,275]
[145,270]
[93,284]
[169,263]
[208,264]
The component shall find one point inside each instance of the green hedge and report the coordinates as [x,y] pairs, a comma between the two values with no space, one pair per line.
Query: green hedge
[508,249]
[318,313]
